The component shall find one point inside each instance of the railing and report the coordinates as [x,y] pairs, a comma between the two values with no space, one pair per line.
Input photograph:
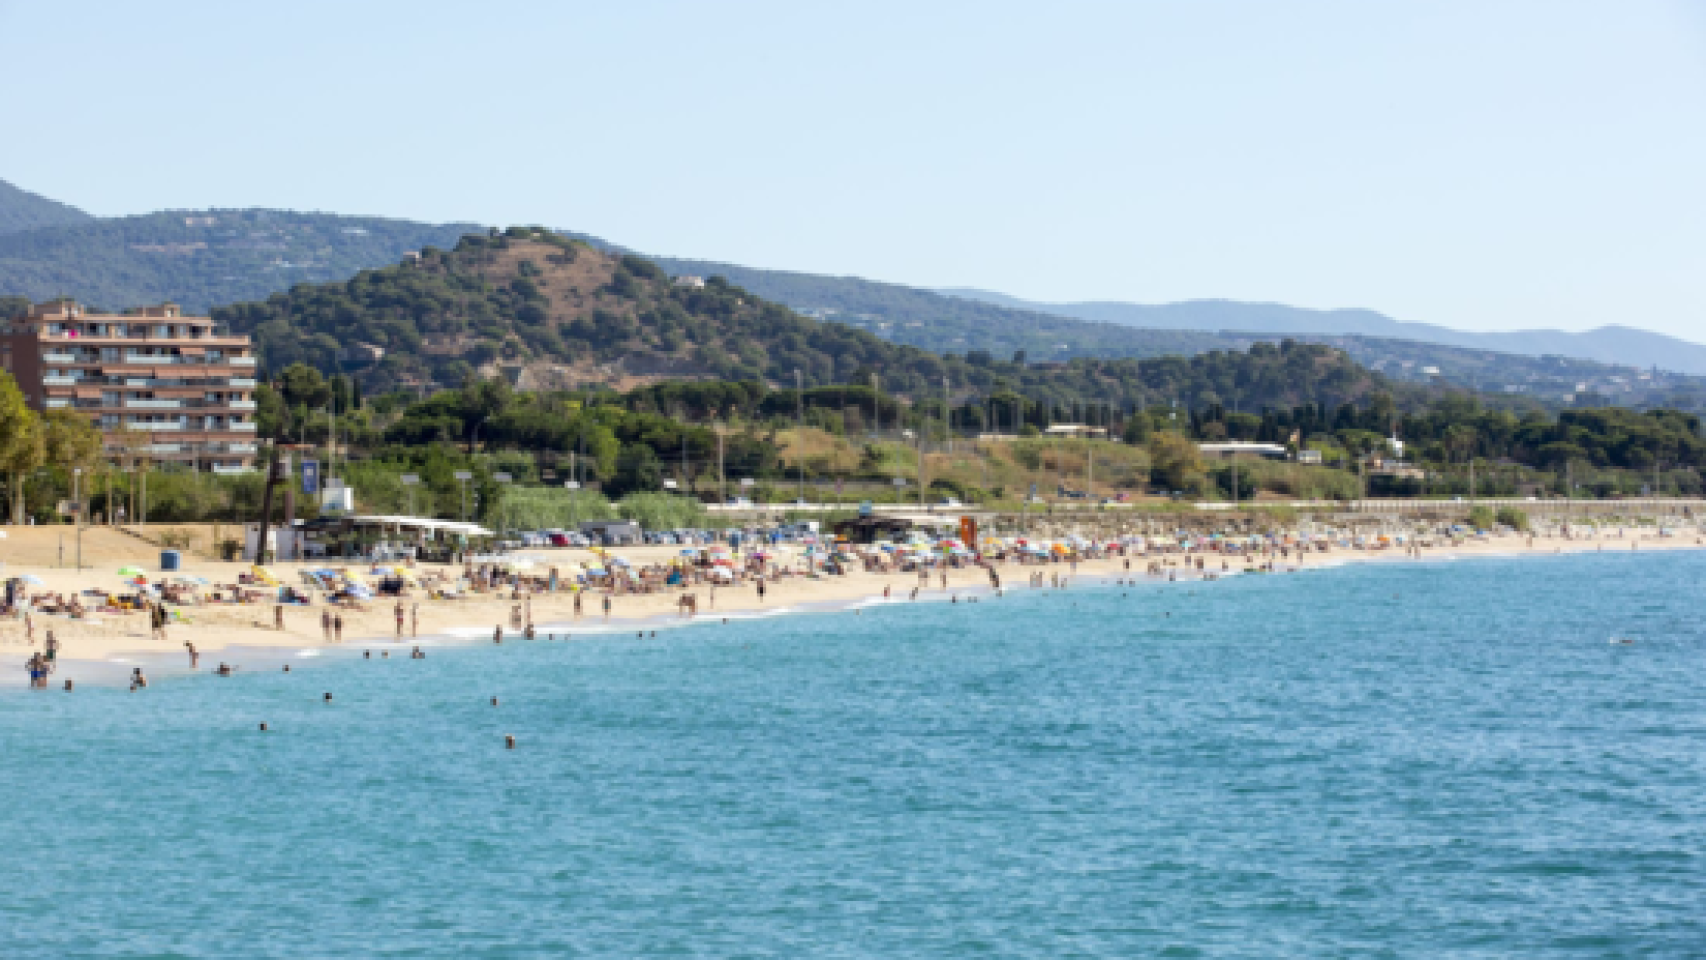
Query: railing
[60,381]
[57,402]
[154,404]
[59,358]
[241,382]
[163,448]
[241,361]
[166,425]
[242,404]
[244,427]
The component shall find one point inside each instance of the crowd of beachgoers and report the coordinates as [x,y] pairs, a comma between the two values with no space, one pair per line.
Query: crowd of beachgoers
[56,614]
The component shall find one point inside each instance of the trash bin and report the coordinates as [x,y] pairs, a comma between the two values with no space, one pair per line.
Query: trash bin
[169,560]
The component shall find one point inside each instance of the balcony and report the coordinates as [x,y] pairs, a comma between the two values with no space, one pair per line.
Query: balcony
[59,381]
[244,427]
[59,358]
[241,404]
[57,402]
[163,448]
[167,425]
[241,361]
[240,382]
[154,404]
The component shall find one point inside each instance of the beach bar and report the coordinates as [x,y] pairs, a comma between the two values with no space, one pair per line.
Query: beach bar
[370,538]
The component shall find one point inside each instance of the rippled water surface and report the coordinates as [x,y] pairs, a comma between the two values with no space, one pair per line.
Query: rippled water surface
[1384,760]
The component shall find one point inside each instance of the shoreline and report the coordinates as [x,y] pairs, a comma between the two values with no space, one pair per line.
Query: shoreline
[105,659]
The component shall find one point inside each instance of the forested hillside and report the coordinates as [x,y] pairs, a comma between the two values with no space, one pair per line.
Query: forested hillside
[974,320]
[548,312]
[200,259]
[22,210]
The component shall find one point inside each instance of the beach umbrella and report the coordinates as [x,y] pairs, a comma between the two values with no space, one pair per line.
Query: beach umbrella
[31,579]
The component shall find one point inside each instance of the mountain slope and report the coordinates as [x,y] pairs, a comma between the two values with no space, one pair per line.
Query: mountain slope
[1004,325]
[947,324]
[550,312]
[22,210]
[1611,344]
[202,258]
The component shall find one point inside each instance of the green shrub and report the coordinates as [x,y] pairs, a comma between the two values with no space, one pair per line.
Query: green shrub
[1512,517]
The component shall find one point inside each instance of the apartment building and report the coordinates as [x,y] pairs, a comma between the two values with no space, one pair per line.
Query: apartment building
[158,384]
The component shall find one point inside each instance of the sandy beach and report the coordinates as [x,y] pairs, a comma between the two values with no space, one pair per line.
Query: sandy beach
[238,632]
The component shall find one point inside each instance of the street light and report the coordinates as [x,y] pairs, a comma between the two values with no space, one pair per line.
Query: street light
[462,477]
[409,480]
[503,506]
[77,505]
[573,486]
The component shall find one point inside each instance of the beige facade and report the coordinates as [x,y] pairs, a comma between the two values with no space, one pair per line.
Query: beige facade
[158,384]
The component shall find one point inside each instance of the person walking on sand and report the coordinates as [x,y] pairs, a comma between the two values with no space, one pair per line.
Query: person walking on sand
[760,589]
[414,620]
[195,656]
[607,606]
[498,633]
[577,604]
[338,627]
[399,612]
[326,625]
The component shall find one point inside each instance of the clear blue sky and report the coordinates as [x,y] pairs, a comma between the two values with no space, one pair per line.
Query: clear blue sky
[1486,164]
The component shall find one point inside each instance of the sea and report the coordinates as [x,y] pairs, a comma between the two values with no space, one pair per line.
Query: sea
[1481,758]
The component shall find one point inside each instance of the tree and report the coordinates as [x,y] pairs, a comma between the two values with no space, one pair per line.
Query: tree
[1175,462]
[69,441]
[21,449]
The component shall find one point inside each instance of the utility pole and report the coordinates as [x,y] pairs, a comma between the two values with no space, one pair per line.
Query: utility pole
[800,434]
[919,440]
[876,409]
[1089,470]
[77,503]
[947,415]
[266,505]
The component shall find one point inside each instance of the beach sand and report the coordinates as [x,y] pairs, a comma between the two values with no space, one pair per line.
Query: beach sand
[92,650]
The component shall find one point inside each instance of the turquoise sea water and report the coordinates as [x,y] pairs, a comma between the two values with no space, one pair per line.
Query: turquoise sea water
[1385,760]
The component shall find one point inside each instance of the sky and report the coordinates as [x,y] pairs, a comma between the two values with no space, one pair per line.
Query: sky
[1486,165]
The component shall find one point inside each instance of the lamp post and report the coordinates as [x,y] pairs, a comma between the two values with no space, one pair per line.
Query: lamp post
[77,505]
[462,477]
[503,506]
[573,486]
[409,480]
[800,429]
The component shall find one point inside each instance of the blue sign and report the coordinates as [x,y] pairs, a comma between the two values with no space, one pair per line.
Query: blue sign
[310,476]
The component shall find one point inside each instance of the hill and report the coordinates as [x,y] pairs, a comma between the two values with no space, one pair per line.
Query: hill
[548,312]
[1005,325]
[1621,345]
[22,210]
[201,258]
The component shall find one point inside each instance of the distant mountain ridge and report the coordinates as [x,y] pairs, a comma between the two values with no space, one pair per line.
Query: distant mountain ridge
[22,210]
[1609,344]
[201,259]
